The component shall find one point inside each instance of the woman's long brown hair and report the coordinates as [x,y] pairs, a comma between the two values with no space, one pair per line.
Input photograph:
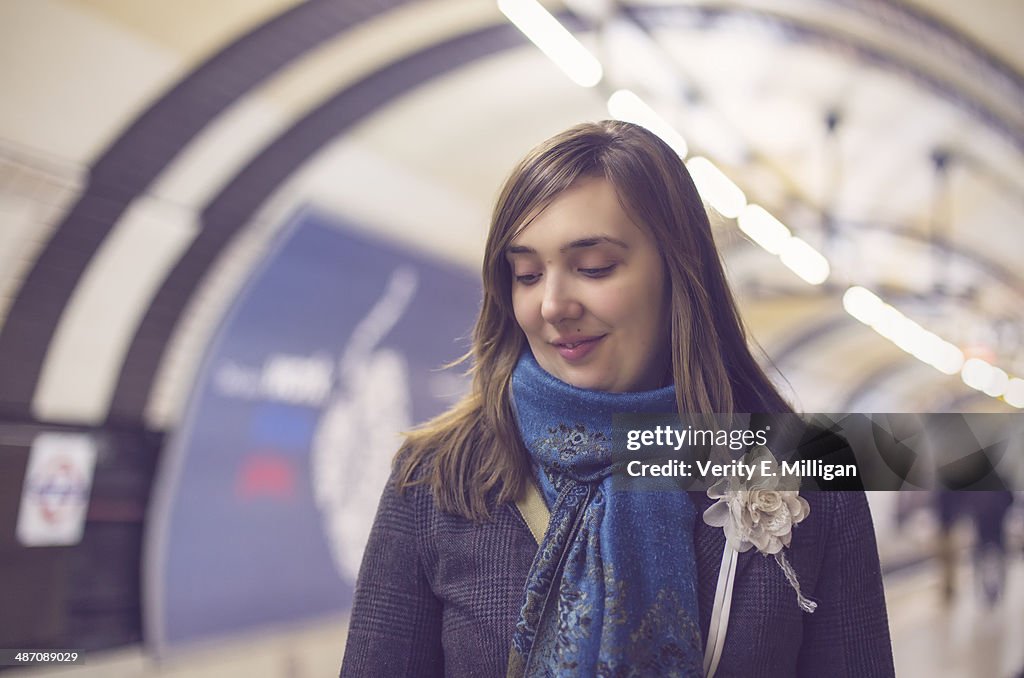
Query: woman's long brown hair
[472,456]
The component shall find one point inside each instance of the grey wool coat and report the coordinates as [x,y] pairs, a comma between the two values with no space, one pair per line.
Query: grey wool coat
[439,595]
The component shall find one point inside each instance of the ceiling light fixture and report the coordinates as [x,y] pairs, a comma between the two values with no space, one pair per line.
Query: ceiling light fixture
[889,322]
[805,261]
[554,39]
[717,189]
[977,374]
[627,106]
[862,304]
[763,228]
[1015,393]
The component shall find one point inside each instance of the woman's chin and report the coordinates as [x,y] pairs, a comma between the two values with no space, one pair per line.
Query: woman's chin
[587,379]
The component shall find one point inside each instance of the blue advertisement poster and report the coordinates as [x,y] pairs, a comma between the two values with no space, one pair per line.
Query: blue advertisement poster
[266,493]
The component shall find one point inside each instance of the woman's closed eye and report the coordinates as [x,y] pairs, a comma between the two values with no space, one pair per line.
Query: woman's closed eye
[598,272]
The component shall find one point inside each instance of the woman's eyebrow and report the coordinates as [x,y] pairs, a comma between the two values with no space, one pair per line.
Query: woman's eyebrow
[589,241]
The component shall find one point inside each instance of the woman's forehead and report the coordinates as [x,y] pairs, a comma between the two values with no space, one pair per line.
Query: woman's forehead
[588,213]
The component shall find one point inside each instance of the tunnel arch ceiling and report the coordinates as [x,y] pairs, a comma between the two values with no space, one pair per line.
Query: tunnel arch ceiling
[524,113]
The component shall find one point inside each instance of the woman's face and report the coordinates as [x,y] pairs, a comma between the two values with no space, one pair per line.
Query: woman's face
[588,290]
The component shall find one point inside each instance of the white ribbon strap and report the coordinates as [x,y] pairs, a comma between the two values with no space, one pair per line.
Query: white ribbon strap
[720,612]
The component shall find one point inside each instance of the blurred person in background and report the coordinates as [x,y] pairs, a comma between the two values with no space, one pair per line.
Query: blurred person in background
[603,293]
[987,511]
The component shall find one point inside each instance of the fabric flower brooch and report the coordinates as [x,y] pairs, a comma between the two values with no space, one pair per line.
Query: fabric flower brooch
[760,512]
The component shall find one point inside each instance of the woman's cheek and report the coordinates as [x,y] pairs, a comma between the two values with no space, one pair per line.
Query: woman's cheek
[519,310]
[618,302]
[526,303]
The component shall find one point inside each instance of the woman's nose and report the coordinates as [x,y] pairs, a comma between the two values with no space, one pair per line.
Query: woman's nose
[559,303]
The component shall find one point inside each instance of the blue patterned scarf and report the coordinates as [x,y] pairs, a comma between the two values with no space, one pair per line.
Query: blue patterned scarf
[613,589]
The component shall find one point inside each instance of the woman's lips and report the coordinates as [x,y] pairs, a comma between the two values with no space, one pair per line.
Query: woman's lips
[578,349]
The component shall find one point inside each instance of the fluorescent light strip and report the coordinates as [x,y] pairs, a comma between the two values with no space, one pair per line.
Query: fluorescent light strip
[929,348]
[772,235]
[984,377]
[763,228]
[627,106]
[716,188]
[805,261]
[554,40]
[1015,393]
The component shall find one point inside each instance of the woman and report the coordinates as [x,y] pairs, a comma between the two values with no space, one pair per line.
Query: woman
[500,546]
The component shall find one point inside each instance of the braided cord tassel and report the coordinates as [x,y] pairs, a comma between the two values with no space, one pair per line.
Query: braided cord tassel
[806,604]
